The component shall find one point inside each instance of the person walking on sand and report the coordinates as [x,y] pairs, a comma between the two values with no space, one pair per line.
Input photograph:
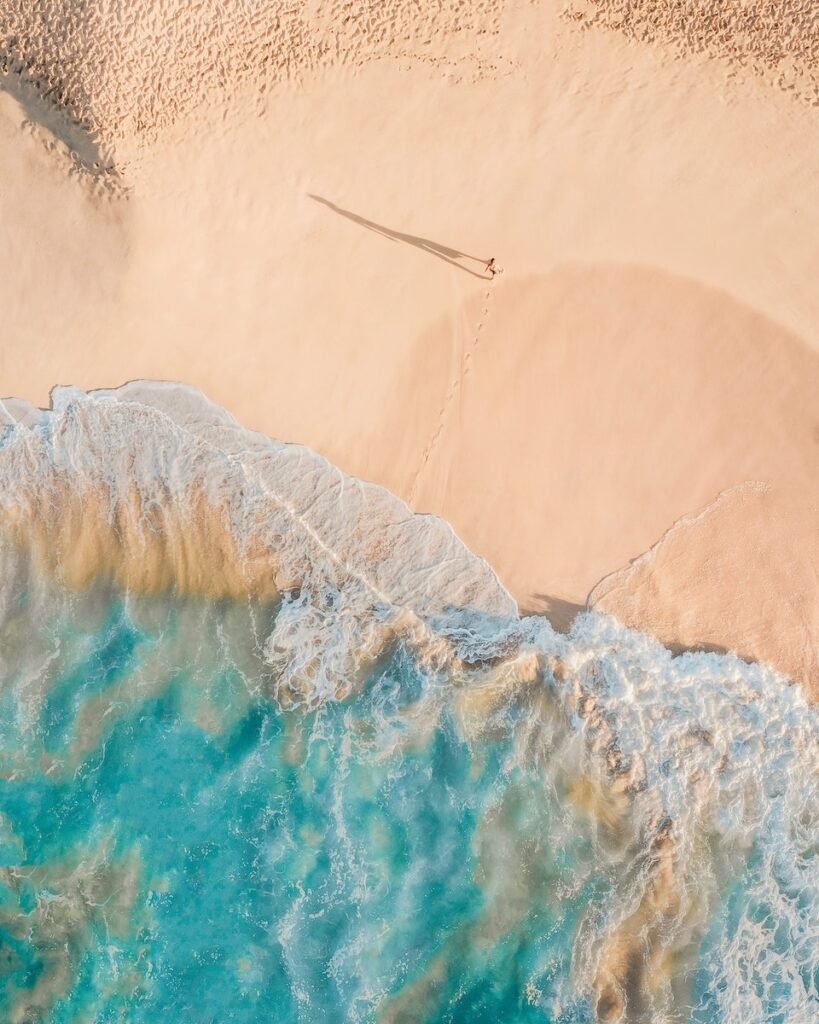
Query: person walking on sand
[493,268]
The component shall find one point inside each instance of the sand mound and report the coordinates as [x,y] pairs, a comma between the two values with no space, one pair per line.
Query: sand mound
[741,574]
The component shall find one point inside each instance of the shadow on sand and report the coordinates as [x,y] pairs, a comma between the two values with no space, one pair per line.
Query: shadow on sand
[443,252]
[84,150]
[560,612]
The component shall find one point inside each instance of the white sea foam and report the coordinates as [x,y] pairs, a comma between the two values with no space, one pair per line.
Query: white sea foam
[729,756]
[707,767]
[332,545]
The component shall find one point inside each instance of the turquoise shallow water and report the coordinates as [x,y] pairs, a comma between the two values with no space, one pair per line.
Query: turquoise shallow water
[179,846]
[380,795]
[292,866]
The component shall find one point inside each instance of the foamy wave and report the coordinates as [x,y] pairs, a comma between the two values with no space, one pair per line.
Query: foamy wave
[157,488]
[695,773]
[722,759]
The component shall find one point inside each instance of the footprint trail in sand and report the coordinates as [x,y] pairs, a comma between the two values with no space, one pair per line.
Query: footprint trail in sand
[455,389]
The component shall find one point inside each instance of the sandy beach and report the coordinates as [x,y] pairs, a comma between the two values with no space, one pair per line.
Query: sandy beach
[304,241]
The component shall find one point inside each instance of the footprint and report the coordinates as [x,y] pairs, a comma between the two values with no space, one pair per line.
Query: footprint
[454,388]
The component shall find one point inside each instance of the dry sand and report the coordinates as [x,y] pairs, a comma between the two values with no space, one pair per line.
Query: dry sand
[290,213]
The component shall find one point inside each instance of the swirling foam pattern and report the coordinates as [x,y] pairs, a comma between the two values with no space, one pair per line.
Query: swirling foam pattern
[274,749]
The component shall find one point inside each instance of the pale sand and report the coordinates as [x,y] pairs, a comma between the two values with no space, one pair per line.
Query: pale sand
[653,341]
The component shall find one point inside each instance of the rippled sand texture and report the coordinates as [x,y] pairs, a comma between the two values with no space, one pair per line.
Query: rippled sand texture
[775,39]
[288,205]
[125,72]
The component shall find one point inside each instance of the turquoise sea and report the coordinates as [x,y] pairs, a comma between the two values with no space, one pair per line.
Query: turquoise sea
[375,792]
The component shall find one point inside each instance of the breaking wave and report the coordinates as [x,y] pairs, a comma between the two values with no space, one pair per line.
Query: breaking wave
[274,748]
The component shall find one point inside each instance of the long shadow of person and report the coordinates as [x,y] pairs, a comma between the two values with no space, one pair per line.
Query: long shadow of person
[443,252]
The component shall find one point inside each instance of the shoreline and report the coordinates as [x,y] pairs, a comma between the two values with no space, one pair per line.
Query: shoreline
[653,342]
[646,747]
[88,504]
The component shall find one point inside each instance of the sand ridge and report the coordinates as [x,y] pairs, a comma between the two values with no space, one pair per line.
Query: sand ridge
[126,71]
